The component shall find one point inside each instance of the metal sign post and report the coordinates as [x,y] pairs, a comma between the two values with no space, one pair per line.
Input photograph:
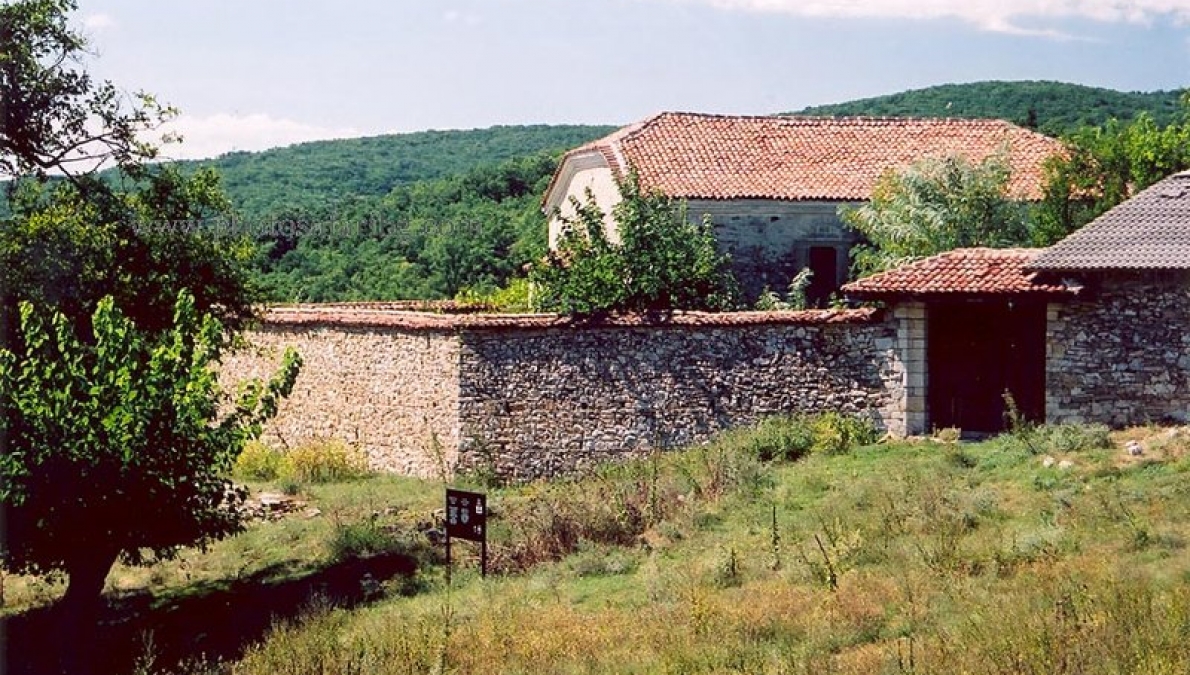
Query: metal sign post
[467,518]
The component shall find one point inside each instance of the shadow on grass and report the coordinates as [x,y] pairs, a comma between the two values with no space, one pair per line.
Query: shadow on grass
[218,620]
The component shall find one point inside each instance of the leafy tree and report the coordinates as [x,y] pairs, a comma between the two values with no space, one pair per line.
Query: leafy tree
[1106,165]
[663,261]
[433,239]
[115,444]
[112,441]
[936,205]
[56,119]
[70,242]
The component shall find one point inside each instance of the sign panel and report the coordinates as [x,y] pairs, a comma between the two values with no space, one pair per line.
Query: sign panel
[466,515]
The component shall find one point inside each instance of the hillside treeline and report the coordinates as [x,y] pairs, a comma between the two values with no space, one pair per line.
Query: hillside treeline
[1054,108]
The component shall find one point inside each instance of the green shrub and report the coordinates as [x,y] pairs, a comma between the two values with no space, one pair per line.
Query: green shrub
[258,462]
[791,437]
[1073,437]
[324,460]
[784,438]
[836,433]
[512,298]
[360,539]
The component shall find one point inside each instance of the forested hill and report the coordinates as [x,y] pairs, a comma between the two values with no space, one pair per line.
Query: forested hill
[1051,107]
[312,176]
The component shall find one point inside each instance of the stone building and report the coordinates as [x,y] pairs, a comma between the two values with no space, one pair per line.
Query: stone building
[1094,329]
[1120,352]
[772,186]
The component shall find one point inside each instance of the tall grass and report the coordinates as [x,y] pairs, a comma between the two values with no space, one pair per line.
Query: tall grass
[918,557]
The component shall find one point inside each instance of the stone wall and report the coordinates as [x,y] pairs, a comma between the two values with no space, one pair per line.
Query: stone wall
[769,240]
[536,403]
[537,395]
[1121,354]
[391,391]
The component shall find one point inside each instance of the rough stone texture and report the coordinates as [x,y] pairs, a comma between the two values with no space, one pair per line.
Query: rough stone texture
[532,396]
[770,240]
[1121,355]
[542,402]
[392,392]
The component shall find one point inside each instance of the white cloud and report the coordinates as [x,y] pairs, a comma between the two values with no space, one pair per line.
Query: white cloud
[214,135]
[1003,16]
[455,16]
[98,22]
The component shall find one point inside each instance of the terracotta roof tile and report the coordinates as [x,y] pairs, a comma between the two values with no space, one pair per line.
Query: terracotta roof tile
[1149,231]
[971,271]
[377,315]
[699,156]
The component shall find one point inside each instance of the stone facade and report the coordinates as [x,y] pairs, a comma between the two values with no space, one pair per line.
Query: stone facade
[538,395]
[535,396]
[391,391]
[536,403]
[1121,355]
[770,240]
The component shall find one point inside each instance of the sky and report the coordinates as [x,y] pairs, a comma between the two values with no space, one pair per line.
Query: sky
[264,73]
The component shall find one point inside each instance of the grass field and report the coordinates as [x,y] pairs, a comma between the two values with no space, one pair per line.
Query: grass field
[1042,551]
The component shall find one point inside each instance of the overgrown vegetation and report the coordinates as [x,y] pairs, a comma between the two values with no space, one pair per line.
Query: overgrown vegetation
[319,460]
[936,205]
[656,260]
[891,558]
[897,557]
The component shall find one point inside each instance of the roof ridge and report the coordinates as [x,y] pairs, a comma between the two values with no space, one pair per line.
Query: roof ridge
[802,157]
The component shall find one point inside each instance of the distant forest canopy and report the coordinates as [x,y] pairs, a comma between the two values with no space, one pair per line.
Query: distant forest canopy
[430,239]
[318,174]
[1054,108]
[437,213]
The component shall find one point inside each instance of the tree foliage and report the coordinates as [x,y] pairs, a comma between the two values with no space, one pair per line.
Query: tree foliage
[115,444]
[109,408]
[936,205]
[469,233]
[1106,165]
[55,117]
[661,262]
[68,243]
[319,175]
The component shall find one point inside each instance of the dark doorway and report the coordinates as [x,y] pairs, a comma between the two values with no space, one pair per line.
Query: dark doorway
[976,352]
[824,263]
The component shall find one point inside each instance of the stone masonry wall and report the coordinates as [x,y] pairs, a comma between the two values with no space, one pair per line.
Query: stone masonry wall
[769,240]
[391,391]
[1121,355]
[541,402]
[538,395]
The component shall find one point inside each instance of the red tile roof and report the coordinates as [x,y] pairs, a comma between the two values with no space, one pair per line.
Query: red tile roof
[397,316]
[970,271]
[699,156]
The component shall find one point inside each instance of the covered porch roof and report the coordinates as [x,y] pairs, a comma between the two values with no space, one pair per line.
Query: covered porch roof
[963,273]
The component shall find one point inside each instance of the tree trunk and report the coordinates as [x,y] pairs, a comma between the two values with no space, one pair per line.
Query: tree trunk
[79,610]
